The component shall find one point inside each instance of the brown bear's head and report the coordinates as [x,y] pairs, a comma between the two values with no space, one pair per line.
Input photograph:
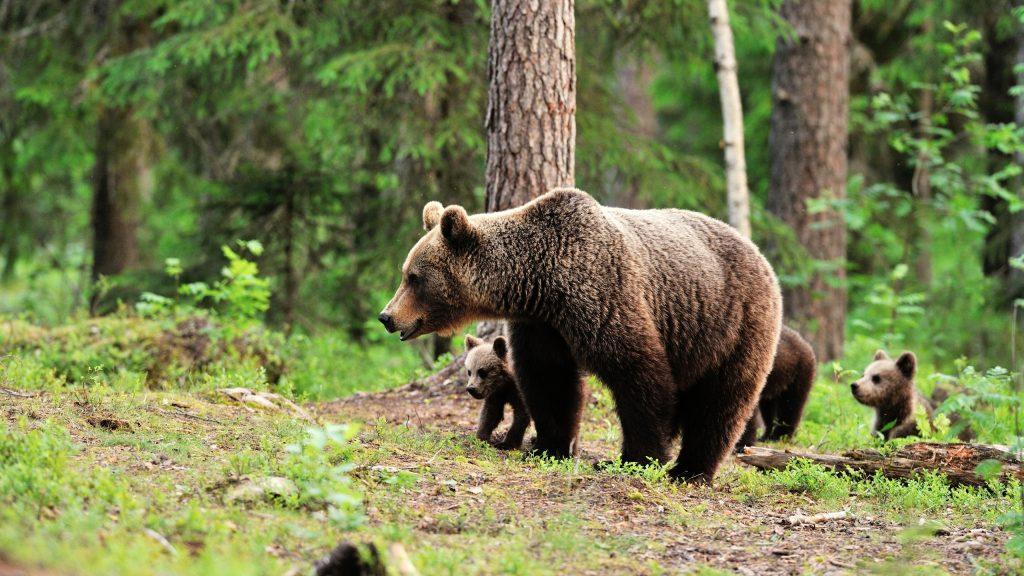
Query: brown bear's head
[886,382]
[434,295]
[486,366]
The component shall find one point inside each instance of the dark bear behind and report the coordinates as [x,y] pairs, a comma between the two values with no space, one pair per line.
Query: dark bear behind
[785,393]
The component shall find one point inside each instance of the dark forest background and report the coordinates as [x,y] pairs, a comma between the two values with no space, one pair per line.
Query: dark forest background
[138,137]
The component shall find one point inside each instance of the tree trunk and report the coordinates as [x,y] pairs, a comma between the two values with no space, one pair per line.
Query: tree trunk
[121,177]
[531,115]
[738,195]
[531,110]
[808,141]
[633,78]
[1016,280]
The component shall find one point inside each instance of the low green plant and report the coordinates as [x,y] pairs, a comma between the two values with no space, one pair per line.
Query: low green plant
[320,465]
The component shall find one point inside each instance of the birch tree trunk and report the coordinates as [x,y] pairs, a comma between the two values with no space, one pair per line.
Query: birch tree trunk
[738,194]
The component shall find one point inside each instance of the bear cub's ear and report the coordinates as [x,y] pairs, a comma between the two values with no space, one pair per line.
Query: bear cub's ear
[907,365]
[432,215]
[881,355]
[455,225]
[500,347]
[472,342]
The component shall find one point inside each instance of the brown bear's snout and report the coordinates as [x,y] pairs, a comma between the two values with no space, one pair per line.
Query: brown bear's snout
[475,392]
[854,387]
[387,321]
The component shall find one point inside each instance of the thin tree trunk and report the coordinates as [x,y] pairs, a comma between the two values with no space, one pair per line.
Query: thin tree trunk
[531,110]
[291,280]
[9,209]
[1016,280]
[808,141]
[922,189]
[121,175]
[738,194]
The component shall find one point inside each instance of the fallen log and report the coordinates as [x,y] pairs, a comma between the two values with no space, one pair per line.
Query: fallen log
[959,462]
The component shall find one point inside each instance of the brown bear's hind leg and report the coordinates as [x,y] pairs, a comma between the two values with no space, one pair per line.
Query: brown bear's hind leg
[551,385]
[715,412]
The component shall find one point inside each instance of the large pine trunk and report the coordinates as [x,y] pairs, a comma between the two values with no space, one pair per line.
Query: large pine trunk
[531,114]
[531,110]
[810,105]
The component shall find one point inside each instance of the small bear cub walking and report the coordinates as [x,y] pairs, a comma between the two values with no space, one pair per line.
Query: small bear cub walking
[491,380]
[888,387]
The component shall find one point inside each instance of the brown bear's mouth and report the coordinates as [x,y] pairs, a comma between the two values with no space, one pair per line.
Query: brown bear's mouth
[412,332]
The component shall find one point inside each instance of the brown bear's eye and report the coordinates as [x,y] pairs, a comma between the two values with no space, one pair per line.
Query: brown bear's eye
[482,373]
[876,378]
[413,279]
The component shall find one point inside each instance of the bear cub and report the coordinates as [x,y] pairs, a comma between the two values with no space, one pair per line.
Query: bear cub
[781,405]
[888,387]
[491,380]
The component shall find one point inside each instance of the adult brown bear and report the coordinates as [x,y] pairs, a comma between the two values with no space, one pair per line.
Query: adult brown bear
[677,313]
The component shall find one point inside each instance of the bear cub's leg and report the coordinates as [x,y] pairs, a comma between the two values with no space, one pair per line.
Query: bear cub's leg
[520,421]
[492,413]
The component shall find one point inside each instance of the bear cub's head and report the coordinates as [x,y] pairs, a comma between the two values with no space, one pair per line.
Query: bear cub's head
[886,382]
[486,366]
[434,295]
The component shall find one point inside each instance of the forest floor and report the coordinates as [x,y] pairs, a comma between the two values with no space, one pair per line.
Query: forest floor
[140,482]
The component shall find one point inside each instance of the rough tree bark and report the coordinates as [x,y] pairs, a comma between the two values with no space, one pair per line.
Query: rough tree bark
[531,110]
[531,113]
[738,194]
[808,141]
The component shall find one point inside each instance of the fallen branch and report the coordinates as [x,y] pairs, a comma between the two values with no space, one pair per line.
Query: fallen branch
[957,461]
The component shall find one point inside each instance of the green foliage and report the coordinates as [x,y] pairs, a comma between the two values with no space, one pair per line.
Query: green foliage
[320,464]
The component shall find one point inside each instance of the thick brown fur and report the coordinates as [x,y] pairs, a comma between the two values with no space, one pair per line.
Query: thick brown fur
[781,406]
[490,379]
[888,387]
[677,313]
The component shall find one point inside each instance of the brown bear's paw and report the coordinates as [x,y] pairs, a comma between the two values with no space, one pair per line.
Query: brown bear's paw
[690,477]
[507,443]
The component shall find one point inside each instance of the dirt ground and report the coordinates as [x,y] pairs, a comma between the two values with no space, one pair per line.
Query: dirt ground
[733,530]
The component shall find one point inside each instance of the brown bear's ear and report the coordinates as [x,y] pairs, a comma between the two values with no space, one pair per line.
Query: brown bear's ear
[907,365]
[500,347]
[881,355]
[432,214]
[456,227]
[472,342]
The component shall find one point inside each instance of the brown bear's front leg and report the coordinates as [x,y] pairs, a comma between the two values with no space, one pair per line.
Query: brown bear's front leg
[490,416]
[520,422]
[551,385]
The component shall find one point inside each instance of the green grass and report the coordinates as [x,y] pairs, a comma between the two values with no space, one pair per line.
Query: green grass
[81,497]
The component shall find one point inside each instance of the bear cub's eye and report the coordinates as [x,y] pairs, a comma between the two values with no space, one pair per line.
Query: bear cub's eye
[469,372]
[482,373]
[876,378]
